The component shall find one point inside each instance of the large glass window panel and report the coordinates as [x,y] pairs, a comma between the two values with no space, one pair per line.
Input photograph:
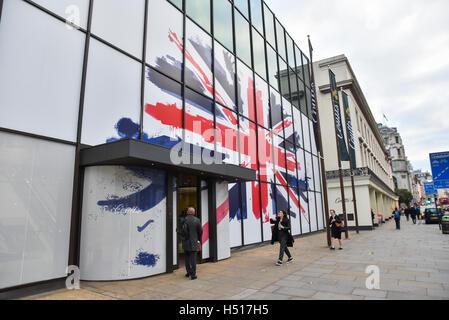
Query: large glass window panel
[303,183]
[266,156]
[242,5]
[290,52]
[309,171]
[268,199]
[224,77]
[245,91]
[162,120]
[306,132]
[227,134]
[74,11]
[281,198]
[256,14]
[288,121]
[316,174]
[199,123]
[269,26]
[276,112]
[295,211]
[199,10]
[41,64]
[242,38]
[235,215]
[283,72]
[280,37]
[299,69]
[313,213]
[298,128]
[302,96]
[120,23]
[198,59]
[259,54]
[306,70]
[177,3]
[262,103]
[304,209]
[280,160]
[223,23]
[291,164]
[164,38]
[35,208]
[251,209]
[320,211]
[312,138]
[248,144]
[273,73]
[112,103]
[294,95]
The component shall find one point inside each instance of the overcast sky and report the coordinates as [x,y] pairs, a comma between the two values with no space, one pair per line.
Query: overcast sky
[399,50]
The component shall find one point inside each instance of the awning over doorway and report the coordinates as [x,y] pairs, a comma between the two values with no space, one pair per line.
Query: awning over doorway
[131,152]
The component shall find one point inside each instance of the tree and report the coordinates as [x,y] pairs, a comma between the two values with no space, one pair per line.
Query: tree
[405,196]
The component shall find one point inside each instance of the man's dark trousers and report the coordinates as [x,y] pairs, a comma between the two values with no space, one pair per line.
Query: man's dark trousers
[398,223]
[191,263]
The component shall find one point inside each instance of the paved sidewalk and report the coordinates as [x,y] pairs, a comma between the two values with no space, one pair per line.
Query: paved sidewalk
[413,262]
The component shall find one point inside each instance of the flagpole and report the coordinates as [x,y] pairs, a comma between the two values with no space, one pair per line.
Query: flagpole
[320,150]
[354,199]
[334,99]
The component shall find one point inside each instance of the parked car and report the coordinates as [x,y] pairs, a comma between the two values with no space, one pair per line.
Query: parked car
[432,215]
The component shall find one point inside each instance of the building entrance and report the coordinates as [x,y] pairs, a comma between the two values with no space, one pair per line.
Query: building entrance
[188,196]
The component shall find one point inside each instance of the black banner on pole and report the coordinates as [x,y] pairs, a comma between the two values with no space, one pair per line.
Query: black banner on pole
[349,128]
[337,113]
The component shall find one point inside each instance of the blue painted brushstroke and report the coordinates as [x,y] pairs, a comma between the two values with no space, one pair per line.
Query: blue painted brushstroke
[146,259]
[143,200]
[140,229]
[234,203]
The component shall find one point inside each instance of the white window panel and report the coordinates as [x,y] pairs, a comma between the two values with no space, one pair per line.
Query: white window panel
[35,209]
[41,65]
[112,102]
[120,23]
[75,11]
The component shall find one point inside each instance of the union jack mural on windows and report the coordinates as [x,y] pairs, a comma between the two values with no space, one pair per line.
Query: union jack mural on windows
[254,127]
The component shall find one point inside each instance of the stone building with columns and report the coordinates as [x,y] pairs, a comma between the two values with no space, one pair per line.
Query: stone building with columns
[373,177]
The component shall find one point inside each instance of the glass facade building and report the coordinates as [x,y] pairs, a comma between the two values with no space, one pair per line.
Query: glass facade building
[223,77]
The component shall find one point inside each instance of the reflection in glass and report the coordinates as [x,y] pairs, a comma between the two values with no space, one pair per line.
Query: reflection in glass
[259,54]
[290,52]
[223,23]
[272,67]
[199,10]
[299,69]
[242,5]
[269,26]
[177,3]
[280,39]
[256,14]
[283,72]
[242,38]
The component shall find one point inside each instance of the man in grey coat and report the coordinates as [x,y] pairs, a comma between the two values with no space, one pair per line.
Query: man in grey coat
[192,244]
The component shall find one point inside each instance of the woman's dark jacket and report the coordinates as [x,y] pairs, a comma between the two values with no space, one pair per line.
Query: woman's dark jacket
[277,234]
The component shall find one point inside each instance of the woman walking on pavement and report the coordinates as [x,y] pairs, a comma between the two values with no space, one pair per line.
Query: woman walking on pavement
[336,224]
[281,233]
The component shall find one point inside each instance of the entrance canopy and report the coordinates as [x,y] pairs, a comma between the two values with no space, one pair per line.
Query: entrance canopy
[131,152]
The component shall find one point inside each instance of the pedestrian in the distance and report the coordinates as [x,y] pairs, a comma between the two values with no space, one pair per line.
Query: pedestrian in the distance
[281,233]
[412,214]
[407,213]
[192,243]
[336,224]
[397,218]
